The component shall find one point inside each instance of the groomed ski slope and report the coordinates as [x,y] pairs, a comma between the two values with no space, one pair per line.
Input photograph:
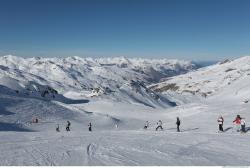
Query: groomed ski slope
[197,144]
[123,148]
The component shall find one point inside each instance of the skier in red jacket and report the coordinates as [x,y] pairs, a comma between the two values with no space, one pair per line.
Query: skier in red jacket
[237,122]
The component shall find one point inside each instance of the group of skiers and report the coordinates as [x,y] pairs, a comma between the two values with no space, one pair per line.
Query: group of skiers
[68,127]
[159,125]
[239,124]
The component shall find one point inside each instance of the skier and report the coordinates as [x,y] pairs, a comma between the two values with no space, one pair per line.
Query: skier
[146,125]
[159,123]
[237,122]
[243,125]
[67,126]
[57,128]
[178,123]
[220,122]
[90,127]
[116,126]
[35,120]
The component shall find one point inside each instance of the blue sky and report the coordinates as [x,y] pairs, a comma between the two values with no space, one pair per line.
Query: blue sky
[184,29]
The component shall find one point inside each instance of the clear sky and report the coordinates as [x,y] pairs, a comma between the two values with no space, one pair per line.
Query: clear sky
[184,29]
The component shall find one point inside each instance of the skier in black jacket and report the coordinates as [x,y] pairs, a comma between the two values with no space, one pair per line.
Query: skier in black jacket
[90,127]
[67,126]
[178,123]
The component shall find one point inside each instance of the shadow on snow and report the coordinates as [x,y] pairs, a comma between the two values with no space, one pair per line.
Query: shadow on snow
[190,129]
[13,127]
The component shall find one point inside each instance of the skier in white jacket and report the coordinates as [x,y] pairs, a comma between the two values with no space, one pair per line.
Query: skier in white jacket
[146,125]
[220,122]
[243,125]
[159,125]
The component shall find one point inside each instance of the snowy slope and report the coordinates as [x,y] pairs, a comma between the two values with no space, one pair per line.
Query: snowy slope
[118,113]
[129,144]
[123,148]
[231,74]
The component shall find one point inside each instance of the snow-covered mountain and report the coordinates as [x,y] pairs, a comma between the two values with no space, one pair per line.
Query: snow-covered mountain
[229,77]
[84,72]
[90,77]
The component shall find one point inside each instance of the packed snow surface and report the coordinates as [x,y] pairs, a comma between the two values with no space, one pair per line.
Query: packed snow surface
[84,90]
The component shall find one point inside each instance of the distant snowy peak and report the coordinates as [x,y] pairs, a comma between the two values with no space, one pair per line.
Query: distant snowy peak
[148,67]
[108,60]
[209,80]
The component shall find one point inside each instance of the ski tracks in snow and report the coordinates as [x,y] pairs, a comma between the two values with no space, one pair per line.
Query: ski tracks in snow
[90,151]
[123,148]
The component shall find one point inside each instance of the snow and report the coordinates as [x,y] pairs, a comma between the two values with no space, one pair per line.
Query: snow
[128,106]
[123,148]
[212,79]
